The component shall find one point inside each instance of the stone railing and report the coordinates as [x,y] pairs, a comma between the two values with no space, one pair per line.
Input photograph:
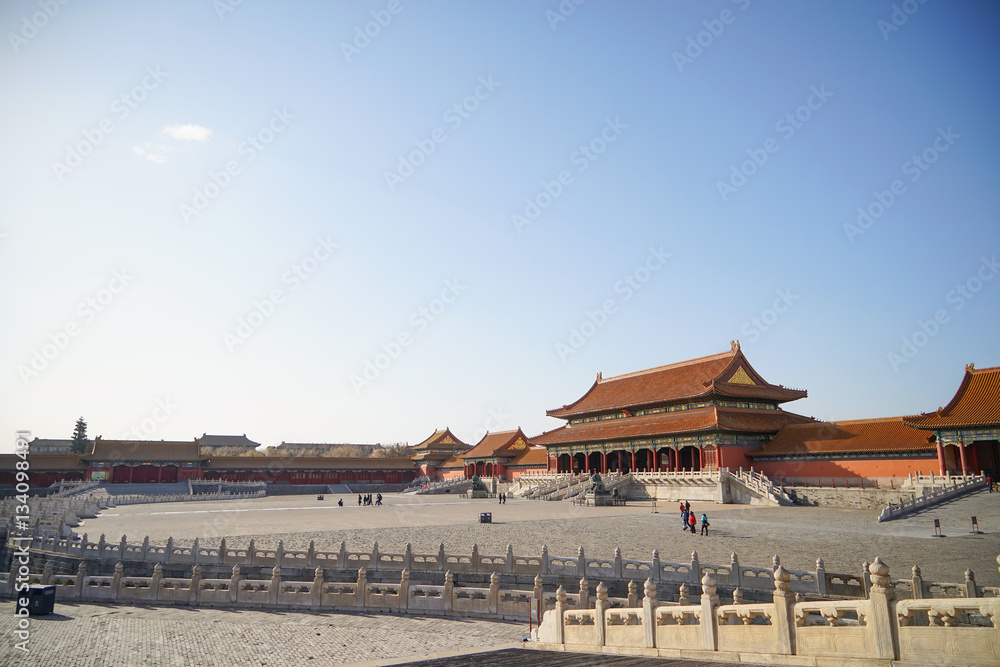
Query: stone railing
[787,630]
[183,497]
[958,487]
[761,485]
[280,593]
[731,575]
[428,487]
[68,489]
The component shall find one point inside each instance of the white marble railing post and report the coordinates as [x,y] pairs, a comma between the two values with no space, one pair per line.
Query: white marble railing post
[494,596]
[709,601]
[194,551]
[916,583]
[47,573]
[649,605]
[235,583]
[154,581]
[617,567]
[316,592]
[584,596]
[407,557]
[311,554]
[784,619]
[537,592]
[279,553]
[404,589]
[970,585]
[251,552]
[820,577]
[448,593]
[510,559]
[116,580]
[195,585]
[600,606]
[441,556]
[545,559]
[655,565]
[167,553]
[81,574]
[375,557]
[883,611]
[342,556]
[222,551]
[633,595]
[100,547]
[734,569]
[695,574]
[581,563]
[361,593]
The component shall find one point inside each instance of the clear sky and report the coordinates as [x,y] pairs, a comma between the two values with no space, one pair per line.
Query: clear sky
[362,221]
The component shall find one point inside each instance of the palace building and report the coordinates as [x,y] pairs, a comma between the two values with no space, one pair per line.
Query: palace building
[504,454]
[431,454]
[700,414]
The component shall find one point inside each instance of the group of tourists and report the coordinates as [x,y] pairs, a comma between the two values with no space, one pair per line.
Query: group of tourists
[688,520]
[366,500]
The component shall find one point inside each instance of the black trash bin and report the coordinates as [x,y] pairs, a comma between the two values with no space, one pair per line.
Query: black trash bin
[486,517]
[41,599]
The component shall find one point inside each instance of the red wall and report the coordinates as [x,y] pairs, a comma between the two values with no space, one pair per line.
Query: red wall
[868,468]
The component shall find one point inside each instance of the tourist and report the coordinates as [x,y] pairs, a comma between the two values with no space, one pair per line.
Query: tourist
[687,506]
[704,524]
[684,518]
[340,502]
[989,482]
[359,500]
[692,522]
[379,501]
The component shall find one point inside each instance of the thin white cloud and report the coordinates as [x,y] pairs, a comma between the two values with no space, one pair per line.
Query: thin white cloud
[188,132]
[157,153]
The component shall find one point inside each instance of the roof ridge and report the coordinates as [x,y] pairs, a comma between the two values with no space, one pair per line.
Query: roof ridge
[680,364]
[871,420]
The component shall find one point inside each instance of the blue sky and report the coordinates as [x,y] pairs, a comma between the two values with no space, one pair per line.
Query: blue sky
[259,219]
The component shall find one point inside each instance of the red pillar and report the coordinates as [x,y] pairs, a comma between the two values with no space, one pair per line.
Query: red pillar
[604,463]
[701,458]
[940,453]
[633,460]
[131,469]
[961,454]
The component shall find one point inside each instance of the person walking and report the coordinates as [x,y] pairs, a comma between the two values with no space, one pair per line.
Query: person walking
[692,522]
[359,500]
[704,524]
[989,482]
[684,518]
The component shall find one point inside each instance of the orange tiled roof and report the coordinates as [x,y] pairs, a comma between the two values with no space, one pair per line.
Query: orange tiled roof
[672,423]
[441,439]
[454,463]
[532,457]
[976,403]
[144,450]
[864,435]
[500,444]
[728,373]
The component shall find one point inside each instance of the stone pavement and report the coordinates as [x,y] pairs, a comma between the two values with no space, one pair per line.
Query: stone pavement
[97,635]
[844,538]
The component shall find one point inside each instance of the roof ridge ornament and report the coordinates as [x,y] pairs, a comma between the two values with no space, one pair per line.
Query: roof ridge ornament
[969,368]
[600,376]
[735,345]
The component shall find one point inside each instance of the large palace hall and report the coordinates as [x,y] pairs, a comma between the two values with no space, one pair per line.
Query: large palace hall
[707,413]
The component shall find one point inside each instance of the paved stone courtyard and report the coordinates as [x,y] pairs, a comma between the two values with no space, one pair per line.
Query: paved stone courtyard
[844,538]
[94,635]
[120,636]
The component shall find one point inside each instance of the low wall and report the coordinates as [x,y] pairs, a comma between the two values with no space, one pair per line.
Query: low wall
[879,630]
[855,498]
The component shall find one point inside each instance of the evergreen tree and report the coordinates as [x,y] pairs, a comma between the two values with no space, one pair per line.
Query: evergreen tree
[81,443]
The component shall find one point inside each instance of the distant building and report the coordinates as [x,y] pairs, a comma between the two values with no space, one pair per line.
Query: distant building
[324,449]
[441,446]
[47,446]
[227,441]
[504,454]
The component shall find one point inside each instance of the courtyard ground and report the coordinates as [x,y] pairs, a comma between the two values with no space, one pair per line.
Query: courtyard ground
[844,538]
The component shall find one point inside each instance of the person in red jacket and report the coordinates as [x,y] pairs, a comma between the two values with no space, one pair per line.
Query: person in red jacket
[692,522]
